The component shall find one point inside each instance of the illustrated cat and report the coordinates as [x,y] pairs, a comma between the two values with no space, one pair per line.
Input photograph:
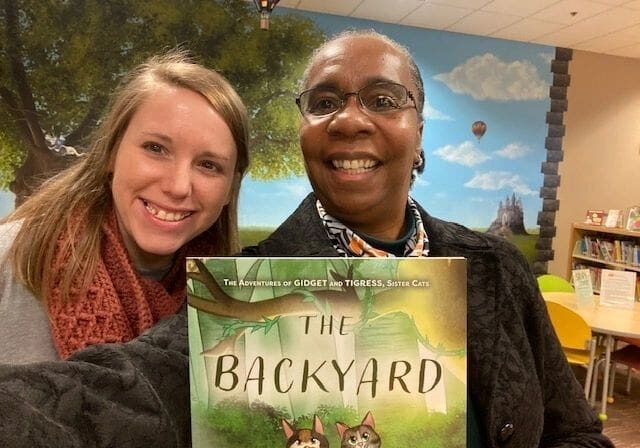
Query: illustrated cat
[360,436]
[305,438]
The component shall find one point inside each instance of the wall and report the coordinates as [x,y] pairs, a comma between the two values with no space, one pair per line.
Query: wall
[601,166]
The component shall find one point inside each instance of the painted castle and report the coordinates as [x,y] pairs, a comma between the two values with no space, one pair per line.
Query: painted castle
[510,218]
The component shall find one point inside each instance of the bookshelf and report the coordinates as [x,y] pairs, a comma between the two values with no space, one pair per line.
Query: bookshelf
[598,247]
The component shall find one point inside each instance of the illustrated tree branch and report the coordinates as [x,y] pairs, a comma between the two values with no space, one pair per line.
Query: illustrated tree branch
[12,106]
[292,304]
[89,121]
[19,73]
[344,302]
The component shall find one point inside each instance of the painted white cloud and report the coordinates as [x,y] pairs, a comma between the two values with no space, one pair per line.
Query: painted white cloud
[487,77]
[431,113]
[546,57]
[499,180]
[465,154]
[514,151]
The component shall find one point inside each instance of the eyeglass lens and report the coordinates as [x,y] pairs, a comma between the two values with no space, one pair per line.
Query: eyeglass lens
[379,97]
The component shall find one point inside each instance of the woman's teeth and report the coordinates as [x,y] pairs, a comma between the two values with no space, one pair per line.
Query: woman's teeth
[164,215]
[354,166]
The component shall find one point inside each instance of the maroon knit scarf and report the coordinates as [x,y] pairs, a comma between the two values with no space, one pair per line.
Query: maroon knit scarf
[119,304]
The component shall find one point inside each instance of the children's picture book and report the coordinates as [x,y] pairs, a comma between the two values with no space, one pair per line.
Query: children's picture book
[327,352]
[633,218]
[594,217]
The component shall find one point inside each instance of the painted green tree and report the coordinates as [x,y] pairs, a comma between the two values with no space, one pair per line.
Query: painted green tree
[60,60]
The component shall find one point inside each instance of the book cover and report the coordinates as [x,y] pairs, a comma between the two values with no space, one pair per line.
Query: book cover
[614,218]
[330,351]
[594,217]
[633,218]
[583,286]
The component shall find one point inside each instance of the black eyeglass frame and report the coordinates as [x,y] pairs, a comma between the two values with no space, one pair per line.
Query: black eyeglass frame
[343,96]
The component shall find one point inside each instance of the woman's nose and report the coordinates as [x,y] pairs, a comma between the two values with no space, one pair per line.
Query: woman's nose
[178,183]
[352,119]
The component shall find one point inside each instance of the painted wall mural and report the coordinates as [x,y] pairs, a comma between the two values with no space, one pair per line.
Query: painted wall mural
[484,135]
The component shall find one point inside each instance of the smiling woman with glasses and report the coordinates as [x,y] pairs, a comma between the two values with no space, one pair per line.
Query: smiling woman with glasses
[378,97]
[361,155]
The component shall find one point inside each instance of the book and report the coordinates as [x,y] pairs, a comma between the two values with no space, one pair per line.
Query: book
[583,286]
[286,347]
[633,218]
[606,250]
[614,218]
[595,273]
[594,217]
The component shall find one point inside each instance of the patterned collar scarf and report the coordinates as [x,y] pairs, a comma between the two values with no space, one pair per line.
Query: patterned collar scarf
[348,244]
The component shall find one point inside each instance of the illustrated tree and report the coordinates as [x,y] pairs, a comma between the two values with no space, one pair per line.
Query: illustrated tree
[60,60]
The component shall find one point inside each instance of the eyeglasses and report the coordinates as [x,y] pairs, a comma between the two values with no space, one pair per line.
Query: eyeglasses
[379,97]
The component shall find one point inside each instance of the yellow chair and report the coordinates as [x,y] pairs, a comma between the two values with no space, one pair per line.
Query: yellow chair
[577,341]
[553,283]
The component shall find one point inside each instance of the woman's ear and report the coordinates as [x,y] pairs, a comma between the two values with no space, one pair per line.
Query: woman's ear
[419,151]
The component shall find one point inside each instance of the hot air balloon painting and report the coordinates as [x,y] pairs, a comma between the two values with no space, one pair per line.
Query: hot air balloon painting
[479,128]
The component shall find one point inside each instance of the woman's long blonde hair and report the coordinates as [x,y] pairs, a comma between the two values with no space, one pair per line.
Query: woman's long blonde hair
[74,203]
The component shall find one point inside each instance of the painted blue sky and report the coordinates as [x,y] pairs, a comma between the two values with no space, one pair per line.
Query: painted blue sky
[467,78]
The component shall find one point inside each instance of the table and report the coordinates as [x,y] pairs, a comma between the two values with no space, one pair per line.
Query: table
[606,320]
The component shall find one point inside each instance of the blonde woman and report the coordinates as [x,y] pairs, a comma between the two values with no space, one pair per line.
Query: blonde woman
[97,254]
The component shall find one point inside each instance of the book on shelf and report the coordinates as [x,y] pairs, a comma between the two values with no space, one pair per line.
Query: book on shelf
[630,253]
[606,249]
[613,218]
[284,347]
[619,251]
[633,218]
[594,217]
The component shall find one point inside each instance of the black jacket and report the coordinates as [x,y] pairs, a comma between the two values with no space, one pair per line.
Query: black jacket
[131,395]
[137,394]
[524,391]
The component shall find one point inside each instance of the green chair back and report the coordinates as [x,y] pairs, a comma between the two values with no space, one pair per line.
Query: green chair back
[553,283]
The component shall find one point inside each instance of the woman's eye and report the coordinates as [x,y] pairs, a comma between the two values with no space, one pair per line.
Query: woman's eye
[209,165]
[323,106]
[381,103]
[153,147]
